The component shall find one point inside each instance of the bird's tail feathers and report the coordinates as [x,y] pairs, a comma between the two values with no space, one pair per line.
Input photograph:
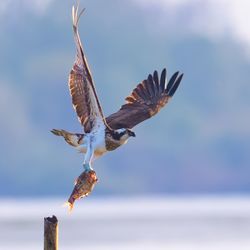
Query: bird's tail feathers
[72,139]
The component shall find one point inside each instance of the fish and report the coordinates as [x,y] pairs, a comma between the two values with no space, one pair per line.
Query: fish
[84,185]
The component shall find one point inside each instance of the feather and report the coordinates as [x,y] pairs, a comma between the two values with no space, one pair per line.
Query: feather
[146,100]
[163,79]
[82,89]
[175,86]
[156,81]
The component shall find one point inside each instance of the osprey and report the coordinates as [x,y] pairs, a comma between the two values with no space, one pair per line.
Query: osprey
[103,134]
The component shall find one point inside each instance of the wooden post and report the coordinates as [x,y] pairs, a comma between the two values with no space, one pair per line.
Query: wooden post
[51,233]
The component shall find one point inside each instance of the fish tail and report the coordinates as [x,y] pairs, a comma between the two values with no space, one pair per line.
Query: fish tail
[69,205]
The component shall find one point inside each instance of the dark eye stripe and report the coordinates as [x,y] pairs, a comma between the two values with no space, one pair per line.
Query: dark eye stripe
[122,133]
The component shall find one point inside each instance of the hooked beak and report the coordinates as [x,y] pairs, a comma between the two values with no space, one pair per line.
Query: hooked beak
[131,133]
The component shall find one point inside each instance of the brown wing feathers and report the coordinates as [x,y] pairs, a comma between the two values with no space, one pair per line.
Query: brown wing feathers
[81,85]
[145,100]
[153,93]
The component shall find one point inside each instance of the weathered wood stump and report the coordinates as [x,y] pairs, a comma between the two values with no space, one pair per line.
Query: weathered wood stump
[51,233]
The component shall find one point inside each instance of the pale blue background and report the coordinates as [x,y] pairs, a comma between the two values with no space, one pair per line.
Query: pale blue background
[198,144]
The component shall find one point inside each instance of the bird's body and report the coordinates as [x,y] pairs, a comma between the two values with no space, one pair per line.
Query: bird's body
[102,140]
[103,134]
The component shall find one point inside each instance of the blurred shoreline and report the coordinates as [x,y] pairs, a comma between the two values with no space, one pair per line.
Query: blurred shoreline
[176,223]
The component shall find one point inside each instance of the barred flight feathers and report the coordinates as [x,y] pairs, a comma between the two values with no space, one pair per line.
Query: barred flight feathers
[84,98]
[145,100]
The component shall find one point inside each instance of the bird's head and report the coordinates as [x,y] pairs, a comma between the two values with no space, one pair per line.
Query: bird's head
[130,133]
[123,134]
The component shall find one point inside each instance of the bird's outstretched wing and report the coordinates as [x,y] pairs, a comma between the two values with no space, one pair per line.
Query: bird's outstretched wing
[145,100]
[81,85]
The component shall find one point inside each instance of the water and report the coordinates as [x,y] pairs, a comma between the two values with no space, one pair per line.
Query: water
[185,223]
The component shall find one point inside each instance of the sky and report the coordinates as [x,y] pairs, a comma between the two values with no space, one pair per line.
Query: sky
[210,18]
[198,144]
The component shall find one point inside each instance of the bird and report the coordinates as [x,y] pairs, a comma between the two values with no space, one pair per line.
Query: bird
[104,134]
